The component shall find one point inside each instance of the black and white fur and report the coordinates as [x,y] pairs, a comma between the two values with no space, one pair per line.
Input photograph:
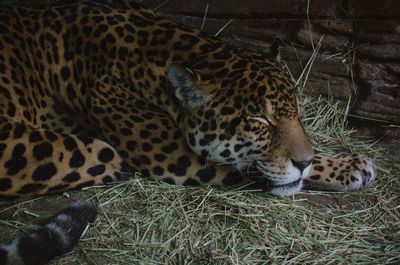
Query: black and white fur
[57,237]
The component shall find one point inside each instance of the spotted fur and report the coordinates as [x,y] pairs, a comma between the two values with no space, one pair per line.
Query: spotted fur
[91,90]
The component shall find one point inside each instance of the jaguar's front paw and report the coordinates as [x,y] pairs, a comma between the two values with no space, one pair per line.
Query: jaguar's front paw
[342,172]
[362,174]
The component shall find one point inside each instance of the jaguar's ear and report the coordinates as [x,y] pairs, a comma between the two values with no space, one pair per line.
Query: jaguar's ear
[186,85]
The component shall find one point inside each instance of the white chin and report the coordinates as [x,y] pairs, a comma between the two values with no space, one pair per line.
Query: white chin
[287,189]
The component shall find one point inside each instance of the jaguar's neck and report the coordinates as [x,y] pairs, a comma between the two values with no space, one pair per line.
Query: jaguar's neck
[147,60]
[136,50]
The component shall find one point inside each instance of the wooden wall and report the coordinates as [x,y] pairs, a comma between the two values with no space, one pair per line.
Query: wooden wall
[359,55]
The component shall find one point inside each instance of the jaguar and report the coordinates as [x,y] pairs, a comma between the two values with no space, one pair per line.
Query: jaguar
[93,90]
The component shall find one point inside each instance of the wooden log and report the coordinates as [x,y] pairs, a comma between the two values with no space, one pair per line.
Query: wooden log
[359,55]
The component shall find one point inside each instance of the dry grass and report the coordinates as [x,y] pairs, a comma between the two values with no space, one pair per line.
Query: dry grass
[143,222]
[146,222]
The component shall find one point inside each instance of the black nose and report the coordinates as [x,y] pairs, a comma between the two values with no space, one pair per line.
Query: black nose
[302,164]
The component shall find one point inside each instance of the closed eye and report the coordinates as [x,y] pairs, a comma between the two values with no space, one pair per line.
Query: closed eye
[261,119]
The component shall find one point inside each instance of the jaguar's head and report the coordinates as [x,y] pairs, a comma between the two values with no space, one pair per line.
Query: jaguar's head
[250,121]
